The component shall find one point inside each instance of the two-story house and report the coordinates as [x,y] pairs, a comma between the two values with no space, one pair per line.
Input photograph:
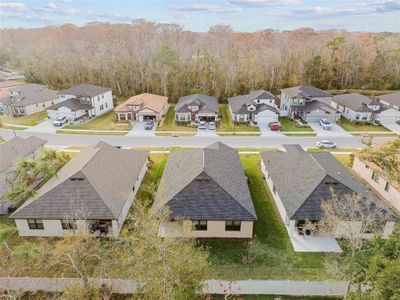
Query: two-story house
[84,100]
[27,99]
[258,107]
[392,114]
[196,107]
[308,103]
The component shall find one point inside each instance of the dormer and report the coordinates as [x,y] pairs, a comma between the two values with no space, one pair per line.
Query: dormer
[374,105]
[194,105]
[251,107]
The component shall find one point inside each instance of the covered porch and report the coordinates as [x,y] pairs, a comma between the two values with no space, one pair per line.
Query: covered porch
[124,117]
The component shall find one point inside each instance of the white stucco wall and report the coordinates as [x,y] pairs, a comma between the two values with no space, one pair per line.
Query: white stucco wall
[351,114]
[50,228]
[392,195]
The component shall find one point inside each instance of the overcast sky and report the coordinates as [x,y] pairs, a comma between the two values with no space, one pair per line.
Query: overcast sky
[242,15]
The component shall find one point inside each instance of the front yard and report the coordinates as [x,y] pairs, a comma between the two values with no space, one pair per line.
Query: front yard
[30,120]
[103,122]
[168,124]
[226,123]
[350,126]
[289,124]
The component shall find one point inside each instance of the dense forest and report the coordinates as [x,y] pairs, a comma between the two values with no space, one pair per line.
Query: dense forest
[166,59]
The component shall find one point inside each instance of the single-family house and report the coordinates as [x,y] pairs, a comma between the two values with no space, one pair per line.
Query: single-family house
[5,86]
[28,99]
[308,103]
[11,151]
[196,107]
[258,107]
[357,107]
[82,101]
[392,114]
[300,181]
[208,188]
[93,193]
[142,107]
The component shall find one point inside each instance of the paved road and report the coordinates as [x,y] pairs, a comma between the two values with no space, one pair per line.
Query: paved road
[195,141]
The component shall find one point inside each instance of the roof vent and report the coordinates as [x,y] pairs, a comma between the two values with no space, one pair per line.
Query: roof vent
[76,178]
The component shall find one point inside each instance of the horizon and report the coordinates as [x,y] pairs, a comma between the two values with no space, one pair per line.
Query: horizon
[198,16]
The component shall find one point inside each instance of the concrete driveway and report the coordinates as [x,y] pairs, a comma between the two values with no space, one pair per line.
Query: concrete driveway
[266,131]
[44,127]
[392,126]
[206,132]
[335,131]
[138,130]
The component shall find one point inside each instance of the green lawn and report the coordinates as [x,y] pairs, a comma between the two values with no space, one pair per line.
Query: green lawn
[103,122]
[30,120]
[289,124]
[174,134]
[13,127]
[383,133]
[90,132]
[168,124]
[275,258]
[350,126]
[345,159]
[226,123]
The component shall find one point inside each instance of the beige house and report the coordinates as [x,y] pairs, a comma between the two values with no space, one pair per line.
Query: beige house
[28,99]
[195,108]
[142,107]
[375,177]
[92,193]
[207,190]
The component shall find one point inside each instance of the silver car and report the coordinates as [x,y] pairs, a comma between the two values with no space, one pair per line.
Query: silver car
[325,124]
[211,125]
[202,125]
[326,144]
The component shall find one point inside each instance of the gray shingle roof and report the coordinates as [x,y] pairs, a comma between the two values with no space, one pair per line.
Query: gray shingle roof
[18,148]
[73,104]
[29,94]
[238,103]
[393,98]
[354,101]
[310,106]
[307,91]
[86,90]
[299,177]
[205,102]
[95,184]
[205,184]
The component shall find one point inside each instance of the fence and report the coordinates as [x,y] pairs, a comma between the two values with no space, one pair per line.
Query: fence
[242,287]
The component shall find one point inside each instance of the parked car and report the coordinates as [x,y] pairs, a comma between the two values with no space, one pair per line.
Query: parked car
[274,126]
[326,144]
[60,121]
[149,124]
[202,125]
[325,124]
[211,125]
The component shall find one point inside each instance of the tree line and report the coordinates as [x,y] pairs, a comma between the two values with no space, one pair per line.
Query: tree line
[167,59]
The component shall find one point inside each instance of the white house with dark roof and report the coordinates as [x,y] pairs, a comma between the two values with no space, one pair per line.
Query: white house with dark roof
[392,114]
[93,192]
[299,181]
[258,107]
[84,100]
[308,103]
[207,188]
[28,99]
[196,107]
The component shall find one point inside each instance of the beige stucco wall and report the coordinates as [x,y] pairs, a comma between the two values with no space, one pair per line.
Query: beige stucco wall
[392,196]
[35,108]
[215,229]
[50,228]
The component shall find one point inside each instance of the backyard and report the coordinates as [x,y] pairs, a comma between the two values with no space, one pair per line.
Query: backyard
[103,122]
[168,124]
[288,124]
[226,123]
[350,126]
[30,120]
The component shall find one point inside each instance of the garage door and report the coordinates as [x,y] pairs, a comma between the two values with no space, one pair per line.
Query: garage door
[388,118]
[317,118]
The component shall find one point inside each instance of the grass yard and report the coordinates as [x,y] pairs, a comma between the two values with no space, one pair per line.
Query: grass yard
[384,133]
[13,127]
[290,125]
[168,123]
[30,120]
[90,132]
[350,126]
[345,159]
[226,123]
[275,258]
[103,122]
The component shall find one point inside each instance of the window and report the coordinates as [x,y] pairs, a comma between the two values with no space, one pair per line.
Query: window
[232,225]
[375,176]
[35,224]
[102,96]
[101,107]
[98,98]
[274,189]
[199,225]
[37,105]
[68,224]
[106,104]
[364,117]
[387,187]
[357,116]
[44,104]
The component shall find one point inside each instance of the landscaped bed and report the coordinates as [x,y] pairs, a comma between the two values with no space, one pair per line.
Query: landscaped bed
[288,124]
[30,120]
[350,126]
[225,123]
[103,122]
[169,124]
